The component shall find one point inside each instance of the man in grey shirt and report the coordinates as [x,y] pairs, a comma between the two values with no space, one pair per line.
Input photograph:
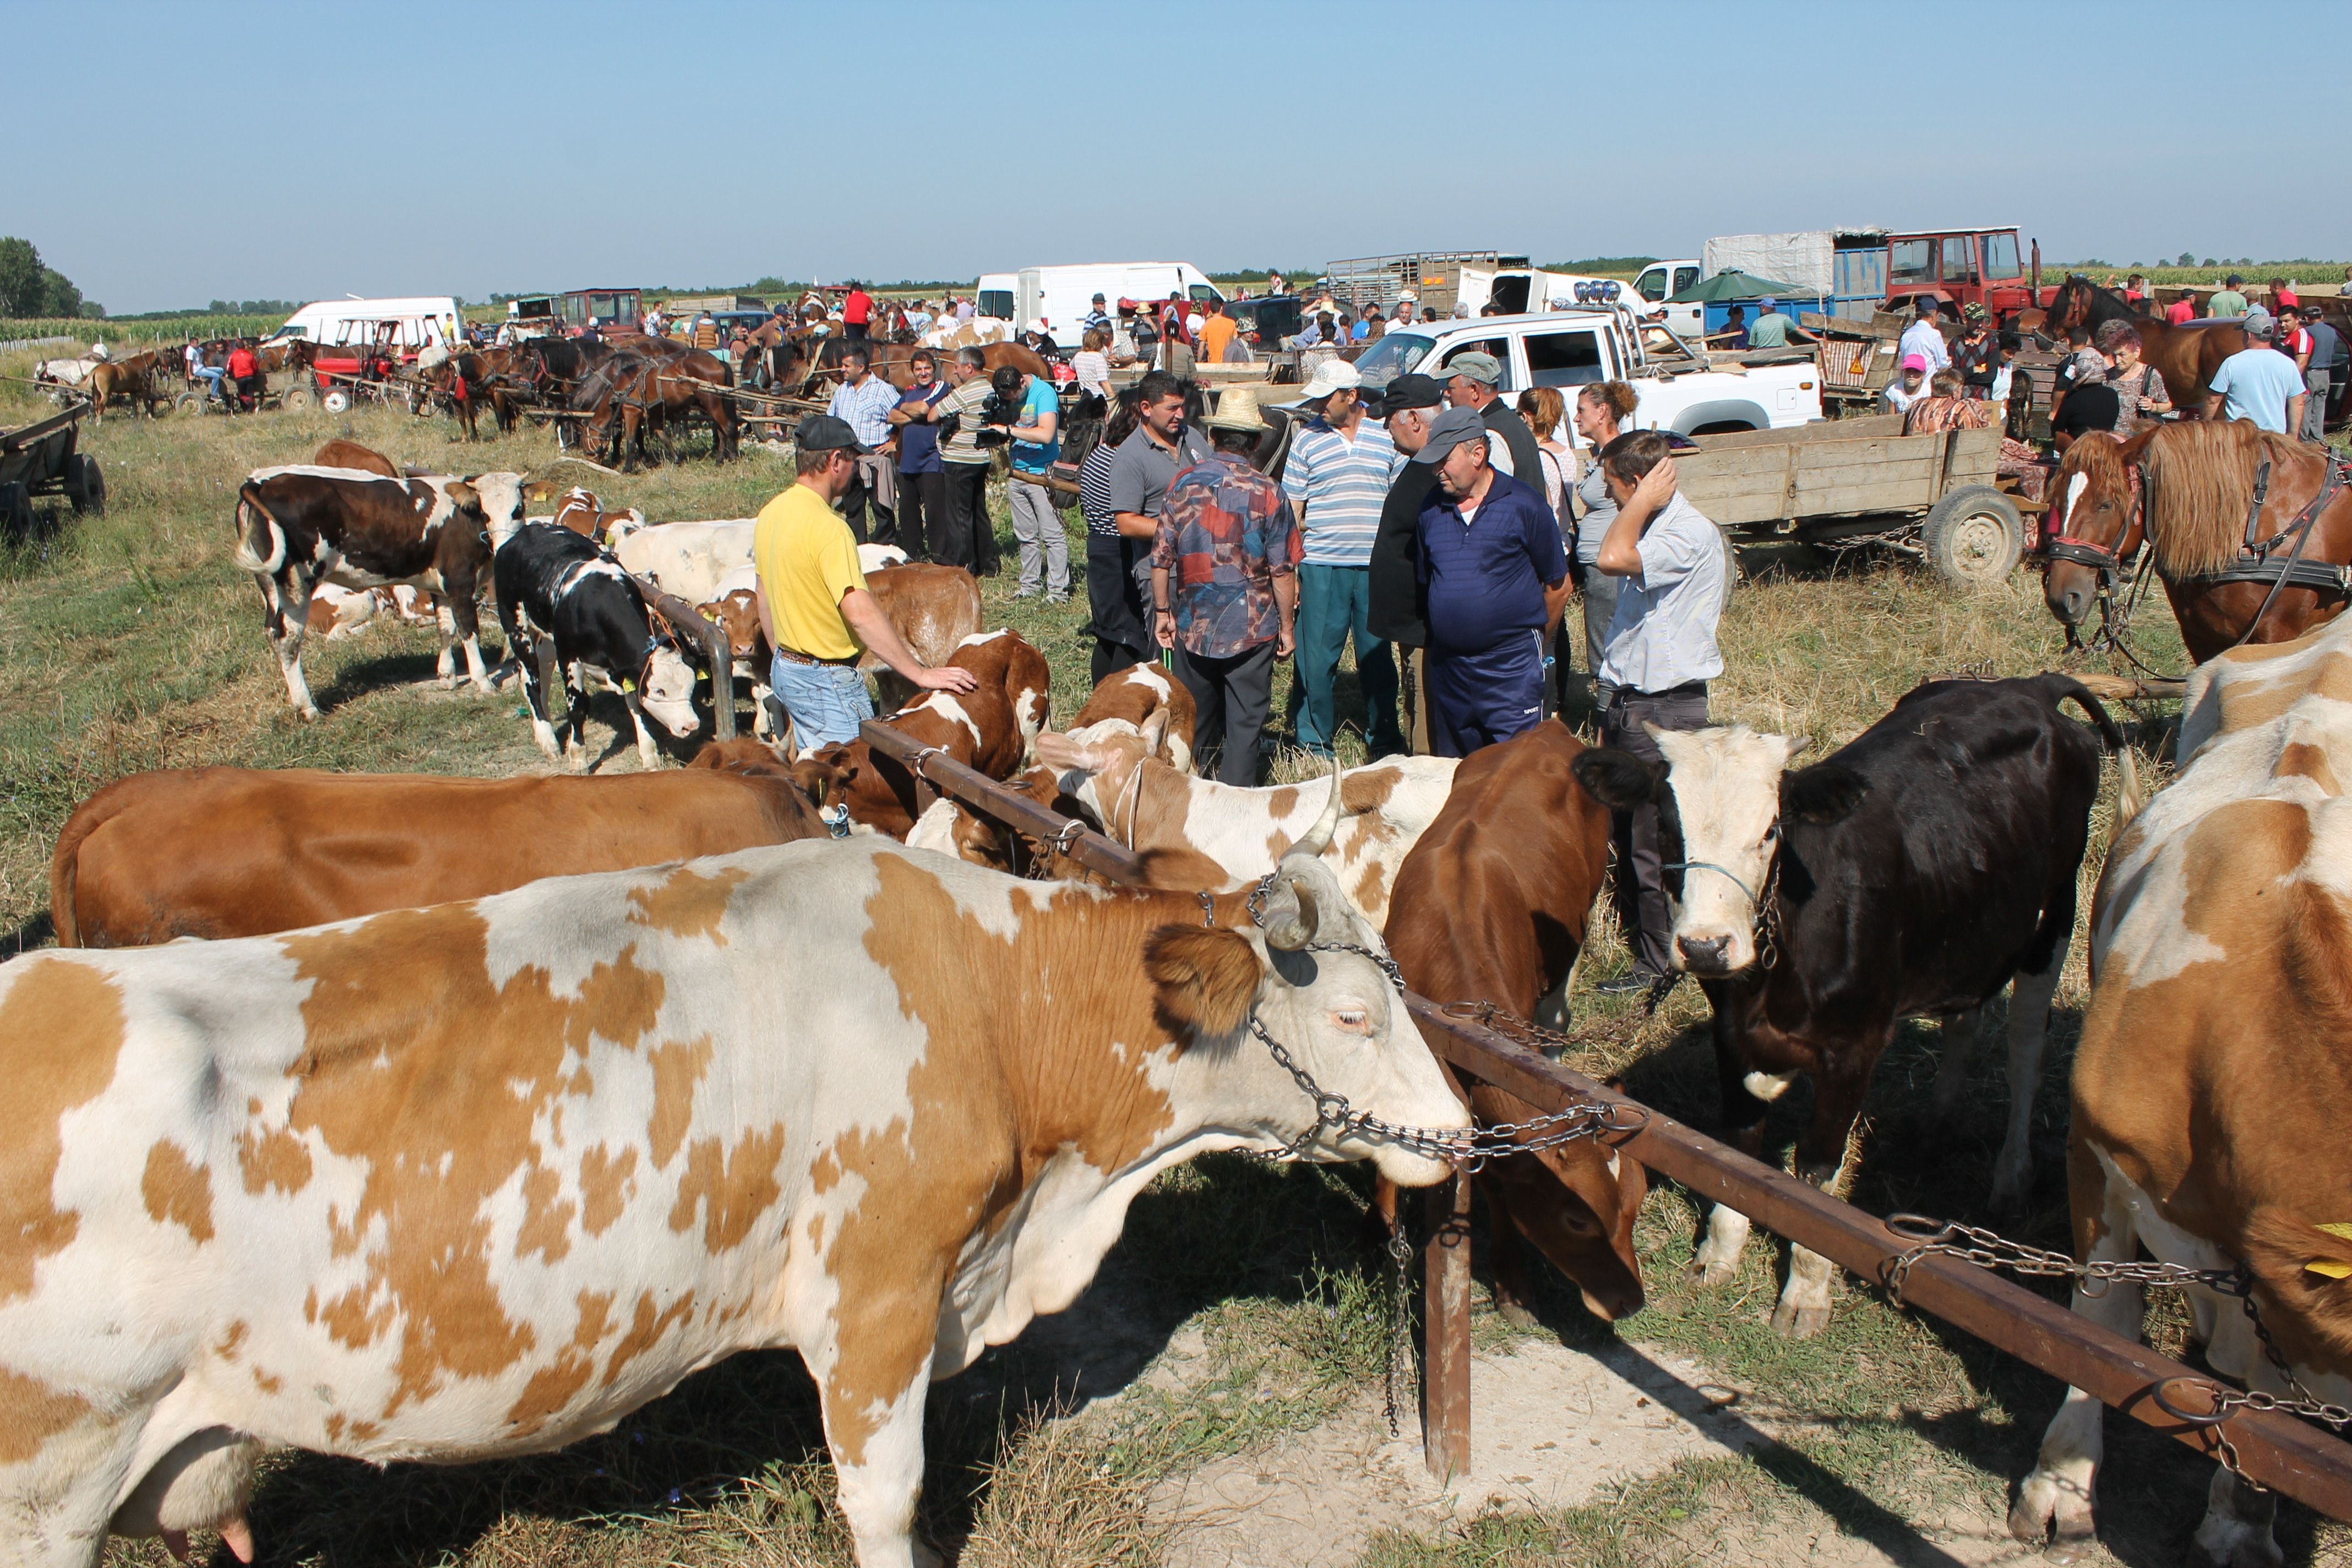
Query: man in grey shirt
[1659,655]
[1162,443]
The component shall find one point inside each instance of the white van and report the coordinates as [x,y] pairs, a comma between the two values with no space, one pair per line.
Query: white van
[417,322]
[1062,295]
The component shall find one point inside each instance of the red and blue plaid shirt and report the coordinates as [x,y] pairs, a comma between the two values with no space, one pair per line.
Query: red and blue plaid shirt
[1226,532]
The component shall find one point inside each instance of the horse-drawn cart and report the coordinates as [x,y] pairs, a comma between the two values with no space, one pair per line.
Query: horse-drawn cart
[1852,483]
[39,459]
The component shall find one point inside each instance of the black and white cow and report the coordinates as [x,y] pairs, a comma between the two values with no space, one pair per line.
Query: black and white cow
[1913,873]
[301,526]
[552,582]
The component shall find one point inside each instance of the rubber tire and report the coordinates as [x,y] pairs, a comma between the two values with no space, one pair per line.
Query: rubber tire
[1974,537]
[298,399]
[87,486]
[192,403]
[337,401]
[16,511]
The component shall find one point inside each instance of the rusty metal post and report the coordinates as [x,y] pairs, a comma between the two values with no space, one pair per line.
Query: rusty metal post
[1445,1330]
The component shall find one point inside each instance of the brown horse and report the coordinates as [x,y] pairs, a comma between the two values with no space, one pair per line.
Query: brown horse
[2186,356]
[131,381]
[892,360]
[2187,490]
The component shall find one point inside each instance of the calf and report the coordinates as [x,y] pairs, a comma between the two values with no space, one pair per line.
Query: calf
[299,527]
[1198,833]
[224,852]
[341,454]
[341,612]
[552,581]
[983,728]
[2212,1086]
[580,512]
[1491,906]
[1915,872]
[1123,700]
[478,1181]
[736,613]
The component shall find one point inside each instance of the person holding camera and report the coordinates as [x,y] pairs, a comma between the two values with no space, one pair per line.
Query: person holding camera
[1029,411]
[966,538]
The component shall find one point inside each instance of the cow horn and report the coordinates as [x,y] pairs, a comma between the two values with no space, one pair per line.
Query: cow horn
[1318,837]
[1290,916]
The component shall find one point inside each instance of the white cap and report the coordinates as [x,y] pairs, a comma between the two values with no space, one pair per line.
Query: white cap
[1331,376]
[1407,297]
[1038,325]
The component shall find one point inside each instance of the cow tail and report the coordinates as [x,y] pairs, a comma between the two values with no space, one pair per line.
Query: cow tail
[2129,797]
[65,866]
[260,541]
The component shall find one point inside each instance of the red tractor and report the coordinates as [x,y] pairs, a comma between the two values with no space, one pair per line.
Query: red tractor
[1958,266]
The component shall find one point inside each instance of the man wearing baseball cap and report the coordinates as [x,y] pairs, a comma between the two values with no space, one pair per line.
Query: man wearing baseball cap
[1336,477]
[1494,580]
[1406,411]
[1471,382]
[2257,383]
[813,604]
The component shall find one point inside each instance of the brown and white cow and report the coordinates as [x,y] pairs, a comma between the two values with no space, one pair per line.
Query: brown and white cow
[479,1180]
[224,852]
[2213,1083]
[990,729]
[933,609]
[298,527]
[1492,906]
[1199,833]
[581,511]
[1122,700]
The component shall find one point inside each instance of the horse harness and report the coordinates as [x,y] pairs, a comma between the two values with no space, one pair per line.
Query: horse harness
[2258,560]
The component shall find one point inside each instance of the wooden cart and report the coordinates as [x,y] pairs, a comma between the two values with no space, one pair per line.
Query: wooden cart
[39,459]
[1851,483]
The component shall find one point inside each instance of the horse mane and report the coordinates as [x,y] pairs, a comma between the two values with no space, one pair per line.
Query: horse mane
[2200,476]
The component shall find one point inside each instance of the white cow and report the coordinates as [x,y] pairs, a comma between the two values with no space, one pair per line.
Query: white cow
[479,1180]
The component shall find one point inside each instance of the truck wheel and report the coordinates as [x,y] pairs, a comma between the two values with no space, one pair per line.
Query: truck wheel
[85,486]
[1974,536]
[337,401]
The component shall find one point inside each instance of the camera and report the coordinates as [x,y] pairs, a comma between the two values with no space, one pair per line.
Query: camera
[998,415]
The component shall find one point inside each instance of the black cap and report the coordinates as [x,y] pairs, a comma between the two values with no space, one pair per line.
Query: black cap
[1413,391]
[824,433]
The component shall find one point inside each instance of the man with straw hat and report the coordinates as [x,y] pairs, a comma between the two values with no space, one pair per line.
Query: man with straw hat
[1224,587]
[1336,477]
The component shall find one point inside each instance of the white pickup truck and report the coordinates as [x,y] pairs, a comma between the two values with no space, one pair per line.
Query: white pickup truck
[1567,349]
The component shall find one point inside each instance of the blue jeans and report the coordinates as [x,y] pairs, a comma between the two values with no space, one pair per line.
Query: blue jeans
[827,702]
[1335,604]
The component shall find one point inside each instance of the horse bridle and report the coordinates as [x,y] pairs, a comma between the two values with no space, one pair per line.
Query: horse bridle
[2110,567]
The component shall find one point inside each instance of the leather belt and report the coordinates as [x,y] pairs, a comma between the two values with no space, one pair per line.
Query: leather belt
[794,656]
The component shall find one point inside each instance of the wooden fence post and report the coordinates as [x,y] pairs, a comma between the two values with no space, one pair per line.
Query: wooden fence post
[1445,1330]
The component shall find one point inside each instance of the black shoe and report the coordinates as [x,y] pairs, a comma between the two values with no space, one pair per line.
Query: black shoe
[1631,983]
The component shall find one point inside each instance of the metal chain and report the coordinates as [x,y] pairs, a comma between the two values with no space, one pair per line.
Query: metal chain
[1400,1326]
[1986,1249]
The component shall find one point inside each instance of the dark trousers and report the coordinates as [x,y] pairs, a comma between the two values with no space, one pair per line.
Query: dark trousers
[1335,606]
[854,330]
[1229,702]
[860,495]
[1122,635]
[959,541]
[921,496]
[1641,882]
[1477,698]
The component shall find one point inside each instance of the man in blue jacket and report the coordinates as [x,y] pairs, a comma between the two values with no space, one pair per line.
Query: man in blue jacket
[1494,579]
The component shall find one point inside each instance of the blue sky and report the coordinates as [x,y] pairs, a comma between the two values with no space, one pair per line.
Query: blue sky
[508,144]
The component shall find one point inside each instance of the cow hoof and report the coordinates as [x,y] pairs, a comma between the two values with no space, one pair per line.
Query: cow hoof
[1712,1275]
[1792,1321]
[445,682]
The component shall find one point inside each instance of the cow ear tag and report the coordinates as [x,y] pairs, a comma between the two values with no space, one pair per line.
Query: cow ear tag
[2333,1268]
[628,686]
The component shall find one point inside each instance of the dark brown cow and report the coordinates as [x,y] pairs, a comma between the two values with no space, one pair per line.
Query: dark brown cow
[298,527]
[224,852]
[1491,906]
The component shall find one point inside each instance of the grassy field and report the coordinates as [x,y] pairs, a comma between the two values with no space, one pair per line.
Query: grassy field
[133,643]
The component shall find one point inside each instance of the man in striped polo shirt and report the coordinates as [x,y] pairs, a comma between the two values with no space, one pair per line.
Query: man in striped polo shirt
[1336,477]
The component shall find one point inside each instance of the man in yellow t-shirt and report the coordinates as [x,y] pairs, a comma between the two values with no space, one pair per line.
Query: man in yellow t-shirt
[813,600]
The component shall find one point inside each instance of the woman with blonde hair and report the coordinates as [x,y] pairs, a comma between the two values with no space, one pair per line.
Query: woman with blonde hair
[1092,364]
[1542,407]
[1602,409]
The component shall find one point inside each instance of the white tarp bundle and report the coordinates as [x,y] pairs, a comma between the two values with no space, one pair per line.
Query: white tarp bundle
[1806,259]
